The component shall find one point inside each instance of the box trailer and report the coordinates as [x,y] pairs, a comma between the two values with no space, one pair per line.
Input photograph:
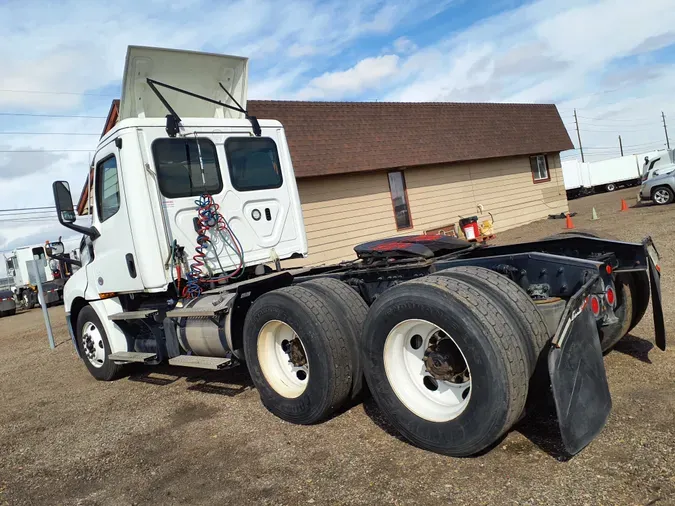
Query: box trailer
[583,178]
[195,209]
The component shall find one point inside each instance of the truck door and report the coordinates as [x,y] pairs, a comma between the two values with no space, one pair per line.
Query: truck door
[113,268]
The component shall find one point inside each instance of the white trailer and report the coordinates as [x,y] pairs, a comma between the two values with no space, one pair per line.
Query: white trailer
[607,175]
[195,207]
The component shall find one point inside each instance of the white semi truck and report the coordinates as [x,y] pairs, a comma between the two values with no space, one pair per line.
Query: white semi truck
[25,285]
[195,207]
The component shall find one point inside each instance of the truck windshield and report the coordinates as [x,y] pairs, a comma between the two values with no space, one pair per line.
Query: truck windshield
[179,170]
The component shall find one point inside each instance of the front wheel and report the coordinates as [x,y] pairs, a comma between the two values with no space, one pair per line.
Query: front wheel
[663,196]
[444,366]
[94,346]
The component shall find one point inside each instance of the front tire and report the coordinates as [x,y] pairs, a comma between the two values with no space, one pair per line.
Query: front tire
[95,347]
[298,354]
[428,337]
[663,195]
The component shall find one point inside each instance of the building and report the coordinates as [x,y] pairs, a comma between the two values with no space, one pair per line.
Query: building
[373,170]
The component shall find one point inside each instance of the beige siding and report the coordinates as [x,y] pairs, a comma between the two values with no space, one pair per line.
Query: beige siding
[342,211]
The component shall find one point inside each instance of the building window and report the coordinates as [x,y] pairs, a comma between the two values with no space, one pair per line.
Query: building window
[186,168]
[539,166]
[399,200]
[107,188]
[254,163]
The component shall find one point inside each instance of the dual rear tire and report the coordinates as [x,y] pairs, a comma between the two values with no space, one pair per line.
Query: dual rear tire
[301,347]
[446,357]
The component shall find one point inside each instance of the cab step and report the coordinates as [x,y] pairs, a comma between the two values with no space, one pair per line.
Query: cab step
[132,315]
[191,313]
[123,357]
[213,363]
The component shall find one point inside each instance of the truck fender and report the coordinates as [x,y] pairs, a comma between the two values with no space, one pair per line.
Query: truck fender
[116,337]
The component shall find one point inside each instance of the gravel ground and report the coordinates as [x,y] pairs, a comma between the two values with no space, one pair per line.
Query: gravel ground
[174,436]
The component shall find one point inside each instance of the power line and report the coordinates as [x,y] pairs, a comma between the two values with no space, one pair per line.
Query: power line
[27,208]
[43,92]
[49,115]
[48,133]
[46,150]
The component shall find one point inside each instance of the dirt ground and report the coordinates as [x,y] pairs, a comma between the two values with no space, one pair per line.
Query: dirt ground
[175,436]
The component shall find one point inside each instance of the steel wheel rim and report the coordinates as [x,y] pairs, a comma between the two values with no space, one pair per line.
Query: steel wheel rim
[92,345]
[404,363]
[611,187]
[661,196]
[281,354]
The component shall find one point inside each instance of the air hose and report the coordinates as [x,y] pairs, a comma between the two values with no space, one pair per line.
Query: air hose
[210,223]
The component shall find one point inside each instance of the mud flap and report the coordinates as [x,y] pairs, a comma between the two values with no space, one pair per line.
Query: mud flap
[657,307]
[579,383]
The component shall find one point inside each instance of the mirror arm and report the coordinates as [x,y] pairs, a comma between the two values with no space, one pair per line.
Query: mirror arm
[70,261]
[90,231]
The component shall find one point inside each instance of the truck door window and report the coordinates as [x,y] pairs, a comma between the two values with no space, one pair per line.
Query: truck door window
[107,188]
[179,171]
[253,163]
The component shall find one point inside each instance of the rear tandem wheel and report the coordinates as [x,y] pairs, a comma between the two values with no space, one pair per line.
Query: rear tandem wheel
[447,370]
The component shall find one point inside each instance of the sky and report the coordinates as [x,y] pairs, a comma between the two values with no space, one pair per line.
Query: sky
[62,64]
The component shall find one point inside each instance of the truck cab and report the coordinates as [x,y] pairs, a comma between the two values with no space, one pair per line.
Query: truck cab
[183,154]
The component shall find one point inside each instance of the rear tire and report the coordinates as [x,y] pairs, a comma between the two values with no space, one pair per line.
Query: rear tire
[272,325]
[94,346]
[353,311]
[513,302]
[494,355]
[610,187]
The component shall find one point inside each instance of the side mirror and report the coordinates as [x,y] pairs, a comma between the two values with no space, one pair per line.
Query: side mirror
[64,202]
[54,249]
[65,211]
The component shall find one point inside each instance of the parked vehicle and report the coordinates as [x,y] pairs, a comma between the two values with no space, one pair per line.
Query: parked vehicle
[606,175]
[658,178]
[7,303]
[25,284]
[194,200]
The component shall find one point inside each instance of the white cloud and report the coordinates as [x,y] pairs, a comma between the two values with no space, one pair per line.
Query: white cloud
[404,45]
[368,73]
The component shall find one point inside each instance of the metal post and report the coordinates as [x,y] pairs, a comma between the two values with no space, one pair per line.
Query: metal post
[620,145]
[43,304]
[581,148]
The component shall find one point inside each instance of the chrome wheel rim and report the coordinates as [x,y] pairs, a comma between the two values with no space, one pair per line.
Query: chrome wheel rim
[92,345]
[661,196]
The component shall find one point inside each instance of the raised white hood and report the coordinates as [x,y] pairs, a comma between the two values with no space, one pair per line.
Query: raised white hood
[192,71]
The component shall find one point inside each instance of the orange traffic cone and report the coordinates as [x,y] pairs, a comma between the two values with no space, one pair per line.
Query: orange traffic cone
[624,206]
[568,222]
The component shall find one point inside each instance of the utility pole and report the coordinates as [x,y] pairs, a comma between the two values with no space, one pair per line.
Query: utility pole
[620,145]
[665,129]
[581,148]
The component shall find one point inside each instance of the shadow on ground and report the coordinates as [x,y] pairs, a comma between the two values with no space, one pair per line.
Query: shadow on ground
[227,382]
[635,347]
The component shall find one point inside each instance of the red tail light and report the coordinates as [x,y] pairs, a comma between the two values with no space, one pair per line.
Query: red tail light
[595,305]
[610,295]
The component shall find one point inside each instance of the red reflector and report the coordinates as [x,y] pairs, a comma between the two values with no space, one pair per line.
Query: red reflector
[611,296]
[608,268]
[595,305]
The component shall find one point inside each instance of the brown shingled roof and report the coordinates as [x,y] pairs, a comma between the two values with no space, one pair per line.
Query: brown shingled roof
[342,137]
